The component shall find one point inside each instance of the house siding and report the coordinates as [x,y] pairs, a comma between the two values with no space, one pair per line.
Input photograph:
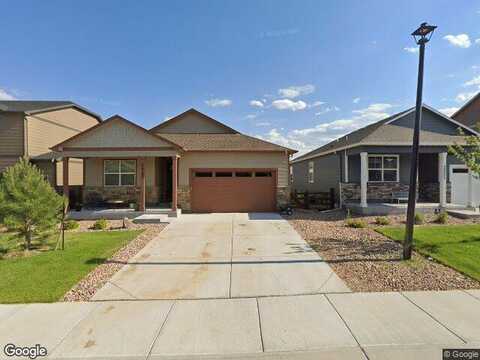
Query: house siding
[470,115]
[192,123]
[327,173]
[47,129]
[11,135]
[430,122]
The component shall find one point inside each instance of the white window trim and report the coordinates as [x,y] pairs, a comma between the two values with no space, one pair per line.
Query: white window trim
[382,169]
[311,172]
[119,173]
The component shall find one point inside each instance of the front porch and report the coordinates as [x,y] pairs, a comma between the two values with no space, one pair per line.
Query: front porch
[378,181]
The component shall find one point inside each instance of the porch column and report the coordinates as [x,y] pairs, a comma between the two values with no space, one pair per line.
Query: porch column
[174,182]
[345,163]
[66,189]
[141,203]
[363,178]
[442,178]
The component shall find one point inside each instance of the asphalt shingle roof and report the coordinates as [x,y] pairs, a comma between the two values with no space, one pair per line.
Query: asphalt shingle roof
[26,106]
[222,142]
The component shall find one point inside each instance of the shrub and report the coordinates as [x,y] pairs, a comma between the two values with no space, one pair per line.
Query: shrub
[100,224]
[355,223]
[71,224]
[419,219]
[382,220]
[442,218]
[28,204]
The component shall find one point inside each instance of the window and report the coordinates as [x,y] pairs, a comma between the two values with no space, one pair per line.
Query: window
[243,174]
[119,172]
[263,174]
[383,168]
[203,174]
[223,174]
[311,172]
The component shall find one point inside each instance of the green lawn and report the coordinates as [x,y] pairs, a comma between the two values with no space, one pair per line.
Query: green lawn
[457,246]
[47,276]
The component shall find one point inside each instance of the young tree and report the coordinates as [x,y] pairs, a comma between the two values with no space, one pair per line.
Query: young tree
[468,153]
[28,204]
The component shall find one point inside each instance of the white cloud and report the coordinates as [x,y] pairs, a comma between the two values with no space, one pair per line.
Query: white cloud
[449,111]
[474,81]
[462,97]
[295,91]
[356,100]
[327,110]
[251,116]
[307,139]
[460,40]
[412,50]
[218,102]
[477,41]
[4,95]
[256,103]
[263,123]
[316,104]
[287,104]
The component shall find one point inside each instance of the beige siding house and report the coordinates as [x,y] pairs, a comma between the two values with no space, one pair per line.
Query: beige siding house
[191,162]
[30,128]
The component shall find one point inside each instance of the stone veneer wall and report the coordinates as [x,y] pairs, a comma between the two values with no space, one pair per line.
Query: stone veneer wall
[129,194]
[428,192]
[283,196]
[183,197]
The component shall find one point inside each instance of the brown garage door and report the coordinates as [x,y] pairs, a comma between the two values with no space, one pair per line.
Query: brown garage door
[237,190]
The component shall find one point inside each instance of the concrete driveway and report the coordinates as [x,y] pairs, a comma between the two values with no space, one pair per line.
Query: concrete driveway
[201,256]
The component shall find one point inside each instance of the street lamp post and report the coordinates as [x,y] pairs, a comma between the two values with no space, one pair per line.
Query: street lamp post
[421,36]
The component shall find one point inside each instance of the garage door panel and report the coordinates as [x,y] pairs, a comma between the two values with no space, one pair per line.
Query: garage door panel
[233,194]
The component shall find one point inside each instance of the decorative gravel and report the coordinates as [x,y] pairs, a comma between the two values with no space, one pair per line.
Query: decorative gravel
[369,261]
[86,288]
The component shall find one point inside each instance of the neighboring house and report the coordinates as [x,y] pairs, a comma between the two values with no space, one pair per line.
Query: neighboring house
[30,128]
[371,164]
[469,114]
[191,161]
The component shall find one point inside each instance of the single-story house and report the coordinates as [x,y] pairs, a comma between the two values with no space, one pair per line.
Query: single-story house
[372,165]
[191,161]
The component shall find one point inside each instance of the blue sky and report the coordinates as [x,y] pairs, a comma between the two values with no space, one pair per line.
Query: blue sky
[299,73]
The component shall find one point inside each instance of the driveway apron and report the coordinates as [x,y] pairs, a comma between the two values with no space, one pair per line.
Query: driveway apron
[235,255]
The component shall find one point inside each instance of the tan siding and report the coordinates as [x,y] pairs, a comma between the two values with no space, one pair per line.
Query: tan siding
[94,172]
[75,176]
[11,134]
[50,128]
[117,133]
[277,161]
[6,162]
[193,123]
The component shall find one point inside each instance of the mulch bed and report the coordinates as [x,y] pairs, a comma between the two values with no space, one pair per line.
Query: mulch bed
[88,286]
[369,261]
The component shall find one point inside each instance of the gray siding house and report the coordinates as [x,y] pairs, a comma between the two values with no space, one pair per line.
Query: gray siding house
[372,165]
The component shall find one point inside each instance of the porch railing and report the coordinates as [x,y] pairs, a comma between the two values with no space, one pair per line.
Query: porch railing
[314,200]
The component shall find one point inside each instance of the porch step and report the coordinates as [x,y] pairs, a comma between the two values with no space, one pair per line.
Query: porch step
[465,214]
[151,219]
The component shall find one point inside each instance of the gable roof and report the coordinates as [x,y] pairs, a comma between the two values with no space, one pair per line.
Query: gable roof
[30,107]
[65,143]
[159,127]
[467,104]
[384,133]
[223,142]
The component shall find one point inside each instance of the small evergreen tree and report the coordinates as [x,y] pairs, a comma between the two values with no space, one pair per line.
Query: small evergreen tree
[28,204]
[469,153]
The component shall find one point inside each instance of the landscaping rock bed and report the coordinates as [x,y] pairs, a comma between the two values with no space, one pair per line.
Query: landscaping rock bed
[86,288]
[369,261]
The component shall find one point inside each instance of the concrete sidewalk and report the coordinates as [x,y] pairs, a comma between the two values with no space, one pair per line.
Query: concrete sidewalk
[410,325]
